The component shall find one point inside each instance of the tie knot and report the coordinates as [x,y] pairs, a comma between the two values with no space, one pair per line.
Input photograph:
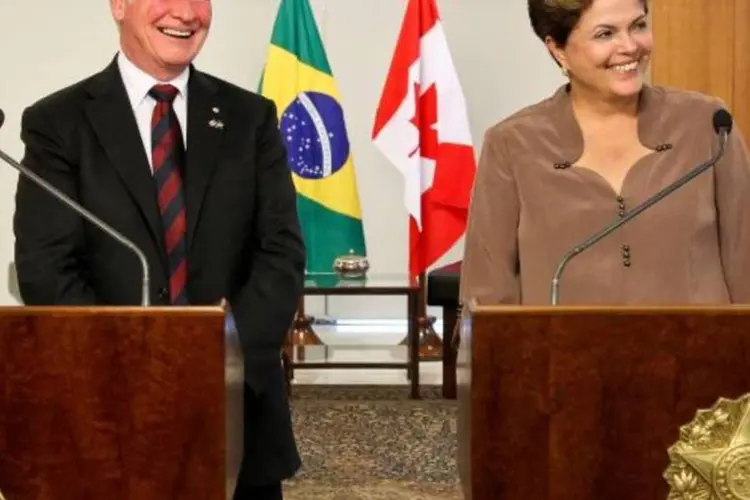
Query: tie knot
[163,92]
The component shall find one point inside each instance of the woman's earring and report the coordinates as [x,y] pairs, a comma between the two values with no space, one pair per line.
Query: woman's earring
[565,72]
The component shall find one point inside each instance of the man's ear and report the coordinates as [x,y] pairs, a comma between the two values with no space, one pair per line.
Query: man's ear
[118,9]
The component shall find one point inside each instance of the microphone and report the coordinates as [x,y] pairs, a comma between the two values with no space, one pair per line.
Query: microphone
[109,230]
[722,123]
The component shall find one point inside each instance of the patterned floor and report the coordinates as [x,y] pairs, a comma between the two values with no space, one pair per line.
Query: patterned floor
[371,490]
[372,443]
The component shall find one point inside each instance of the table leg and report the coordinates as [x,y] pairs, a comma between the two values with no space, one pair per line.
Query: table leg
[450,316]
[287,359]
[286,364]
[414,344]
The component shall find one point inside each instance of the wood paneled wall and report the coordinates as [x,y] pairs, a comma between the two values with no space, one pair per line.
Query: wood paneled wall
[741,97]
[704,45]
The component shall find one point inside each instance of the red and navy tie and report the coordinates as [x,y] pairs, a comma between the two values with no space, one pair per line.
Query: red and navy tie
[168,157]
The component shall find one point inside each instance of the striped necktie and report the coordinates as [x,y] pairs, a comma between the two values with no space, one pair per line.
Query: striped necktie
[168,158]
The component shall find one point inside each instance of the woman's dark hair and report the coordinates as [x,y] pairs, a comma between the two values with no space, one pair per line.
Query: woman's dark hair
[557,18]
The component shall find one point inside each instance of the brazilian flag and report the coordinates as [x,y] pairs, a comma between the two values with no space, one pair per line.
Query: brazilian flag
[298,78]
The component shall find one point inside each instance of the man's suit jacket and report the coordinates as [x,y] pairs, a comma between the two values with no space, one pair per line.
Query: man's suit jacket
[243,237]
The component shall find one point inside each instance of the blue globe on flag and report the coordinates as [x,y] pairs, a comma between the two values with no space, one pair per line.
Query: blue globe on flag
[315,135]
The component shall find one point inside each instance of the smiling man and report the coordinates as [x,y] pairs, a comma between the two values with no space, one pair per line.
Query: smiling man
[193,170]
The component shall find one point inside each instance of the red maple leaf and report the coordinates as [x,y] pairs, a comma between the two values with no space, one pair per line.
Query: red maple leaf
[425,118]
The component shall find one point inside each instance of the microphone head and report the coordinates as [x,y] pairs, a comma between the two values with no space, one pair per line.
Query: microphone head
[2,117]
[722,121]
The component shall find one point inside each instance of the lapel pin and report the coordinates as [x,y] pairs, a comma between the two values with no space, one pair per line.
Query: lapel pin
[216,124]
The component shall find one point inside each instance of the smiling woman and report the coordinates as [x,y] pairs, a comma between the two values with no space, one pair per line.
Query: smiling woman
[559,171]
[585,36]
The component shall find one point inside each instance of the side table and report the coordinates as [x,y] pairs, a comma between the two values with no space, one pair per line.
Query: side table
[372,285]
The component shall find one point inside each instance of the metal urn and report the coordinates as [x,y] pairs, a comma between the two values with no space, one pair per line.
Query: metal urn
[351,266]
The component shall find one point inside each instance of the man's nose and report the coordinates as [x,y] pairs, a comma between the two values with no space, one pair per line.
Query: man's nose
[184,10]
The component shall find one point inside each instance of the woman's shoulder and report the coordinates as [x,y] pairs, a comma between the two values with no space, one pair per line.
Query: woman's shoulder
[526,121]
[681,97]
[681,104]
[666,102]
[679,116]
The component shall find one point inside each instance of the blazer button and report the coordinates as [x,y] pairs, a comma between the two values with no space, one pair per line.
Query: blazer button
[163,293]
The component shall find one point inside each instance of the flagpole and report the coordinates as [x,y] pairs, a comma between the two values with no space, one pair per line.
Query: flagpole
[430,343]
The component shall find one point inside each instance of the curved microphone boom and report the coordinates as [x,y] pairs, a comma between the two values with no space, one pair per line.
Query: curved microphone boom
[722,123]
[46,186]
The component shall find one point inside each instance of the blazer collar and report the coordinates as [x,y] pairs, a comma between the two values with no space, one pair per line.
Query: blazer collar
[111,114]
[138,83]
[109,81]
[651,127]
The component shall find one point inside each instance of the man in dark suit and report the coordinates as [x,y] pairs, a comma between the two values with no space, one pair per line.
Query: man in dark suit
[216,221]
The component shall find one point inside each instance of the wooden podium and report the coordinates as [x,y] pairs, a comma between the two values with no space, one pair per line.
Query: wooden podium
[119,403]
[562,403]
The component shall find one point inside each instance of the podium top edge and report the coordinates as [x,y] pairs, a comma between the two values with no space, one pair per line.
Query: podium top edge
[481,310]
[112,310]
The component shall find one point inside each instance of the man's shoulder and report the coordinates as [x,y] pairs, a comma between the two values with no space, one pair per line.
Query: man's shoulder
[237,95]
[63,100]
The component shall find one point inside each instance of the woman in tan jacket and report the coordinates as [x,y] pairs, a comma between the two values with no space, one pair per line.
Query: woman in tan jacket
[559,171]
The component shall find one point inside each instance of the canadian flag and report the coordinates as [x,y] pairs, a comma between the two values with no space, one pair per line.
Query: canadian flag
[421,126]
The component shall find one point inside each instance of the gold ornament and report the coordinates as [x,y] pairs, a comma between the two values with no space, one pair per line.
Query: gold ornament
[711,460]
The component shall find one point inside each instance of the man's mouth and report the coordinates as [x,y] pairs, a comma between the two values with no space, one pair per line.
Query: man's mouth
[177,33]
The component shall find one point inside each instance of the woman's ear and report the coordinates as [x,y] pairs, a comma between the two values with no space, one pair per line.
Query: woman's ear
[557,52]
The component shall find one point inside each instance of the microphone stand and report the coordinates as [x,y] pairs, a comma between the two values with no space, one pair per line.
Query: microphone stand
[592,240]
[145,289]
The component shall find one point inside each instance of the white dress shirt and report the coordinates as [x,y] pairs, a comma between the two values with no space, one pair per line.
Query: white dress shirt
[137,84]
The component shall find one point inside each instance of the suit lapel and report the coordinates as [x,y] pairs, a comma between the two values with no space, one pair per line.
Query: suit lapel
[115,126]
[206,122]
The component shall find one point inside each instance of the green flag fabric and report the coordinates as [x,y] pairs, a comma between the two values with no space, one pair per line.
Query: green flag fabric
[298,78]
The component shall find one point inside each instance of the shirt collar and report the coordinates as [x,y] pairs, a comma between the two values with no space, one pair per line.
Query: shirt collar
[651,127]
[138,82]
